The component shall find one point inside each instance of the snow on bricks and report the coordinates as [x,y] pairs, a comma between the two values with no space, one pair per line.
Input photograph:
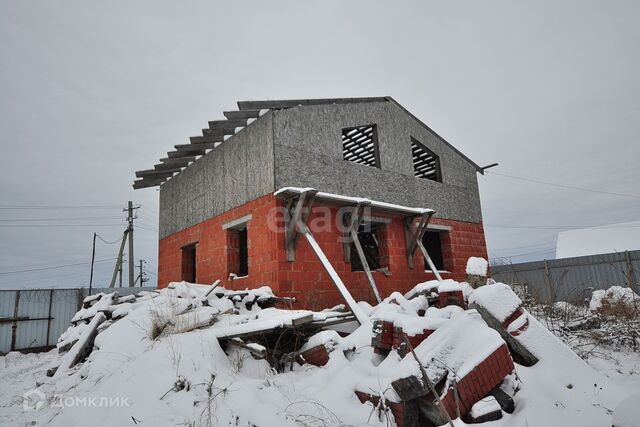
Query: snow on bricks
[206,355]
[463,358]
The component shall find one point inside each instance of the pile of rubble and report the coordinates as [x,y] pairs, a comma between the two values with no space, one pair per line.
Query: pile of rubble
[442,351]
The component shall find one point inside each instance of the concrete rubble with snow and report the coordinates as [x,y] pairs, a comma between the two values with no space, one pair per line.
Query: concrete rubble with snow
[166,358]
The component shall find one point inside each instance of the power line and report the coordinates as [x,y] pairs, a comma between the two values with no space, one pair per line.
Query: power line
[59,219]
[54,267]
[26,207]
[108,243]
[562,227]
[59,225]
[569,187]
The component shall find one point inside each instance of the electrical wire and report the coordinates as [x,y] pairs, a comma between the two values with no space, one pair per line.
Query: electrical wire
[58,219]
[59,225]
[55,267]
[109,243]
[562,227]
[26,207]
[569,187]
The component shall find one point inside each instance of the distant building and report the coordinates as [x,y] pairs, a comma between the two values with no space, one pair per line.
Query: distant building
[599,240]
[220,218]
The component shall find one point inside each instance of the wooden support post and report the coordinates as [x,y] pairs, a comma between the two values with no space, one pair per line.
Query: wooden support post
[354,224]
[361,317]
[430,263]
[414,241]
[301,211]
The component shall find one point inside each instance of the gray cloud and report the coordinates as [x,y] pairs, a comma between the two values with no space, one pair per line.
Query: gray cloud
[92,92]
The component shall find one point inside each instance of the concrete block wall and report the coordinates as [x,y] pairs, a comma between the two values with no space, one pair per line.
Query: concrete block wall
[307,143]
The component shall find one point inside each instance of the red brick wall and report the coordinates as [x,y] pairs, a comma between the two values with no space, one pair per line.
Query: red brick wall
[214,258]
[305,278]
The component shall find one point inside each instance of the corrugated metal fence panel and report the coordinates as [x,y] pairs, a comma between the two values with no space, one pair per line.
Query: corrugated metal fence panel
[33,304]
[65,305]
[59,304]
[7,304]
[573,279]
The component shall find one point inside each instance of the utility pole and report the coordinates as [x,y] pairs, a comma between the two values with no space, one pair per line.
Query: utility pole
[130,219]
[128,233]
[93,258]
[141,275]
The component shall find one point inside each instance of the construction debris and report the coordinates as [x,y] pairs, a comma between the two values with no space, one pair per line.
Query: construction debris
[441,352]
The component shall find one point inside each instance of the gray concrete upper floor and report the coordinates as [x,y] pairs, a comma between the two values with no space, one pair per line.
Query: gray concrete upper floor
[302,143]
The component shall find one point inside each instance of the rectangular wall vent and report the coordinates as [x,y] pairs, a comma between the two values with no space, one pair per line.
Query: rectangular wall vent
[425,163]
[360,145]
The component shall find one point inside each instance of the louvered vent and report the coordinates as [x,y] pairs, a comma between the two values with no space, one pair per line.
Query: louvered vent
[425,163]
[360,145]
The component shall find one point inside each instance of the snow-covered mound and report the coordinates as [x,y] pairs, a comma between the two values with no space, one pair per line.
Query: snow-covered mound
[185,356]
[615,295]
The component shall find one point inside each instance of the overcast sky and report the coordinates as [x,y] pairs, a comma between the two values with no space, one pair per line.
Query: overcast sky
[92,91]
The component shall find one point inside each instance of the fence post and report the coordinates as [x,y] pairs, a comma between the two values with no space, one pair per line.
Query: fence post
[630,272]
[49,317]
[547,277]
[14,326]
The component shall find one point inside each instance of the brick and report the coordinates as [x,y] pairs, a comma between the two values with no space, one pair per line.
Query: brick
[268,264]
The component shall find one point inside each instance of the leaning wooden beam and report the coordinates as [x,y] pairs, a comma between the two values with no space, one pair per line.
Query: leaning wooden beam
[301,212]
[356,217]
[246,114]
[361,317]
[429,261]
[413,235]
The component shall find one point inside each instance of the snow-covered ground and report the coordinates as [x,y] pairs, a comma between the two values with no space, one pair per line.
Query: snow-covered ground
[185,378]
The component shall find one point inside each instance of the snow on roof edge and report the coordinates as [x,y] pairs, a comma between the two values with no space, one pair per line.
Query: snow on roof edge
[348,199]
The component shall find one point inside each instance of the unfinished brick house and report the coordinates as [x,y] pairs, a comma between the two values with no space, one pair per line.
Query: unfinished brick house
[375,186]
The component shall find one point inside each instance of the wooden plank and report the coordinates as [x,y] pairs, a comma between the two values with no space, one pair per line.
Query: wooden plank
[253,349]
[141,183]
[202,145]
[180,154]
[246,114]
[154,173]
[178,160]
[227,124]
[206,139]
[218,131]
[168,166]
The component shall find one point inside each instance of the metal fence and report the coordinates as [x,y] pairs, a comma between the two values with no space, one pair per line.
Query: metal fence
[573,279]
[33,319]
